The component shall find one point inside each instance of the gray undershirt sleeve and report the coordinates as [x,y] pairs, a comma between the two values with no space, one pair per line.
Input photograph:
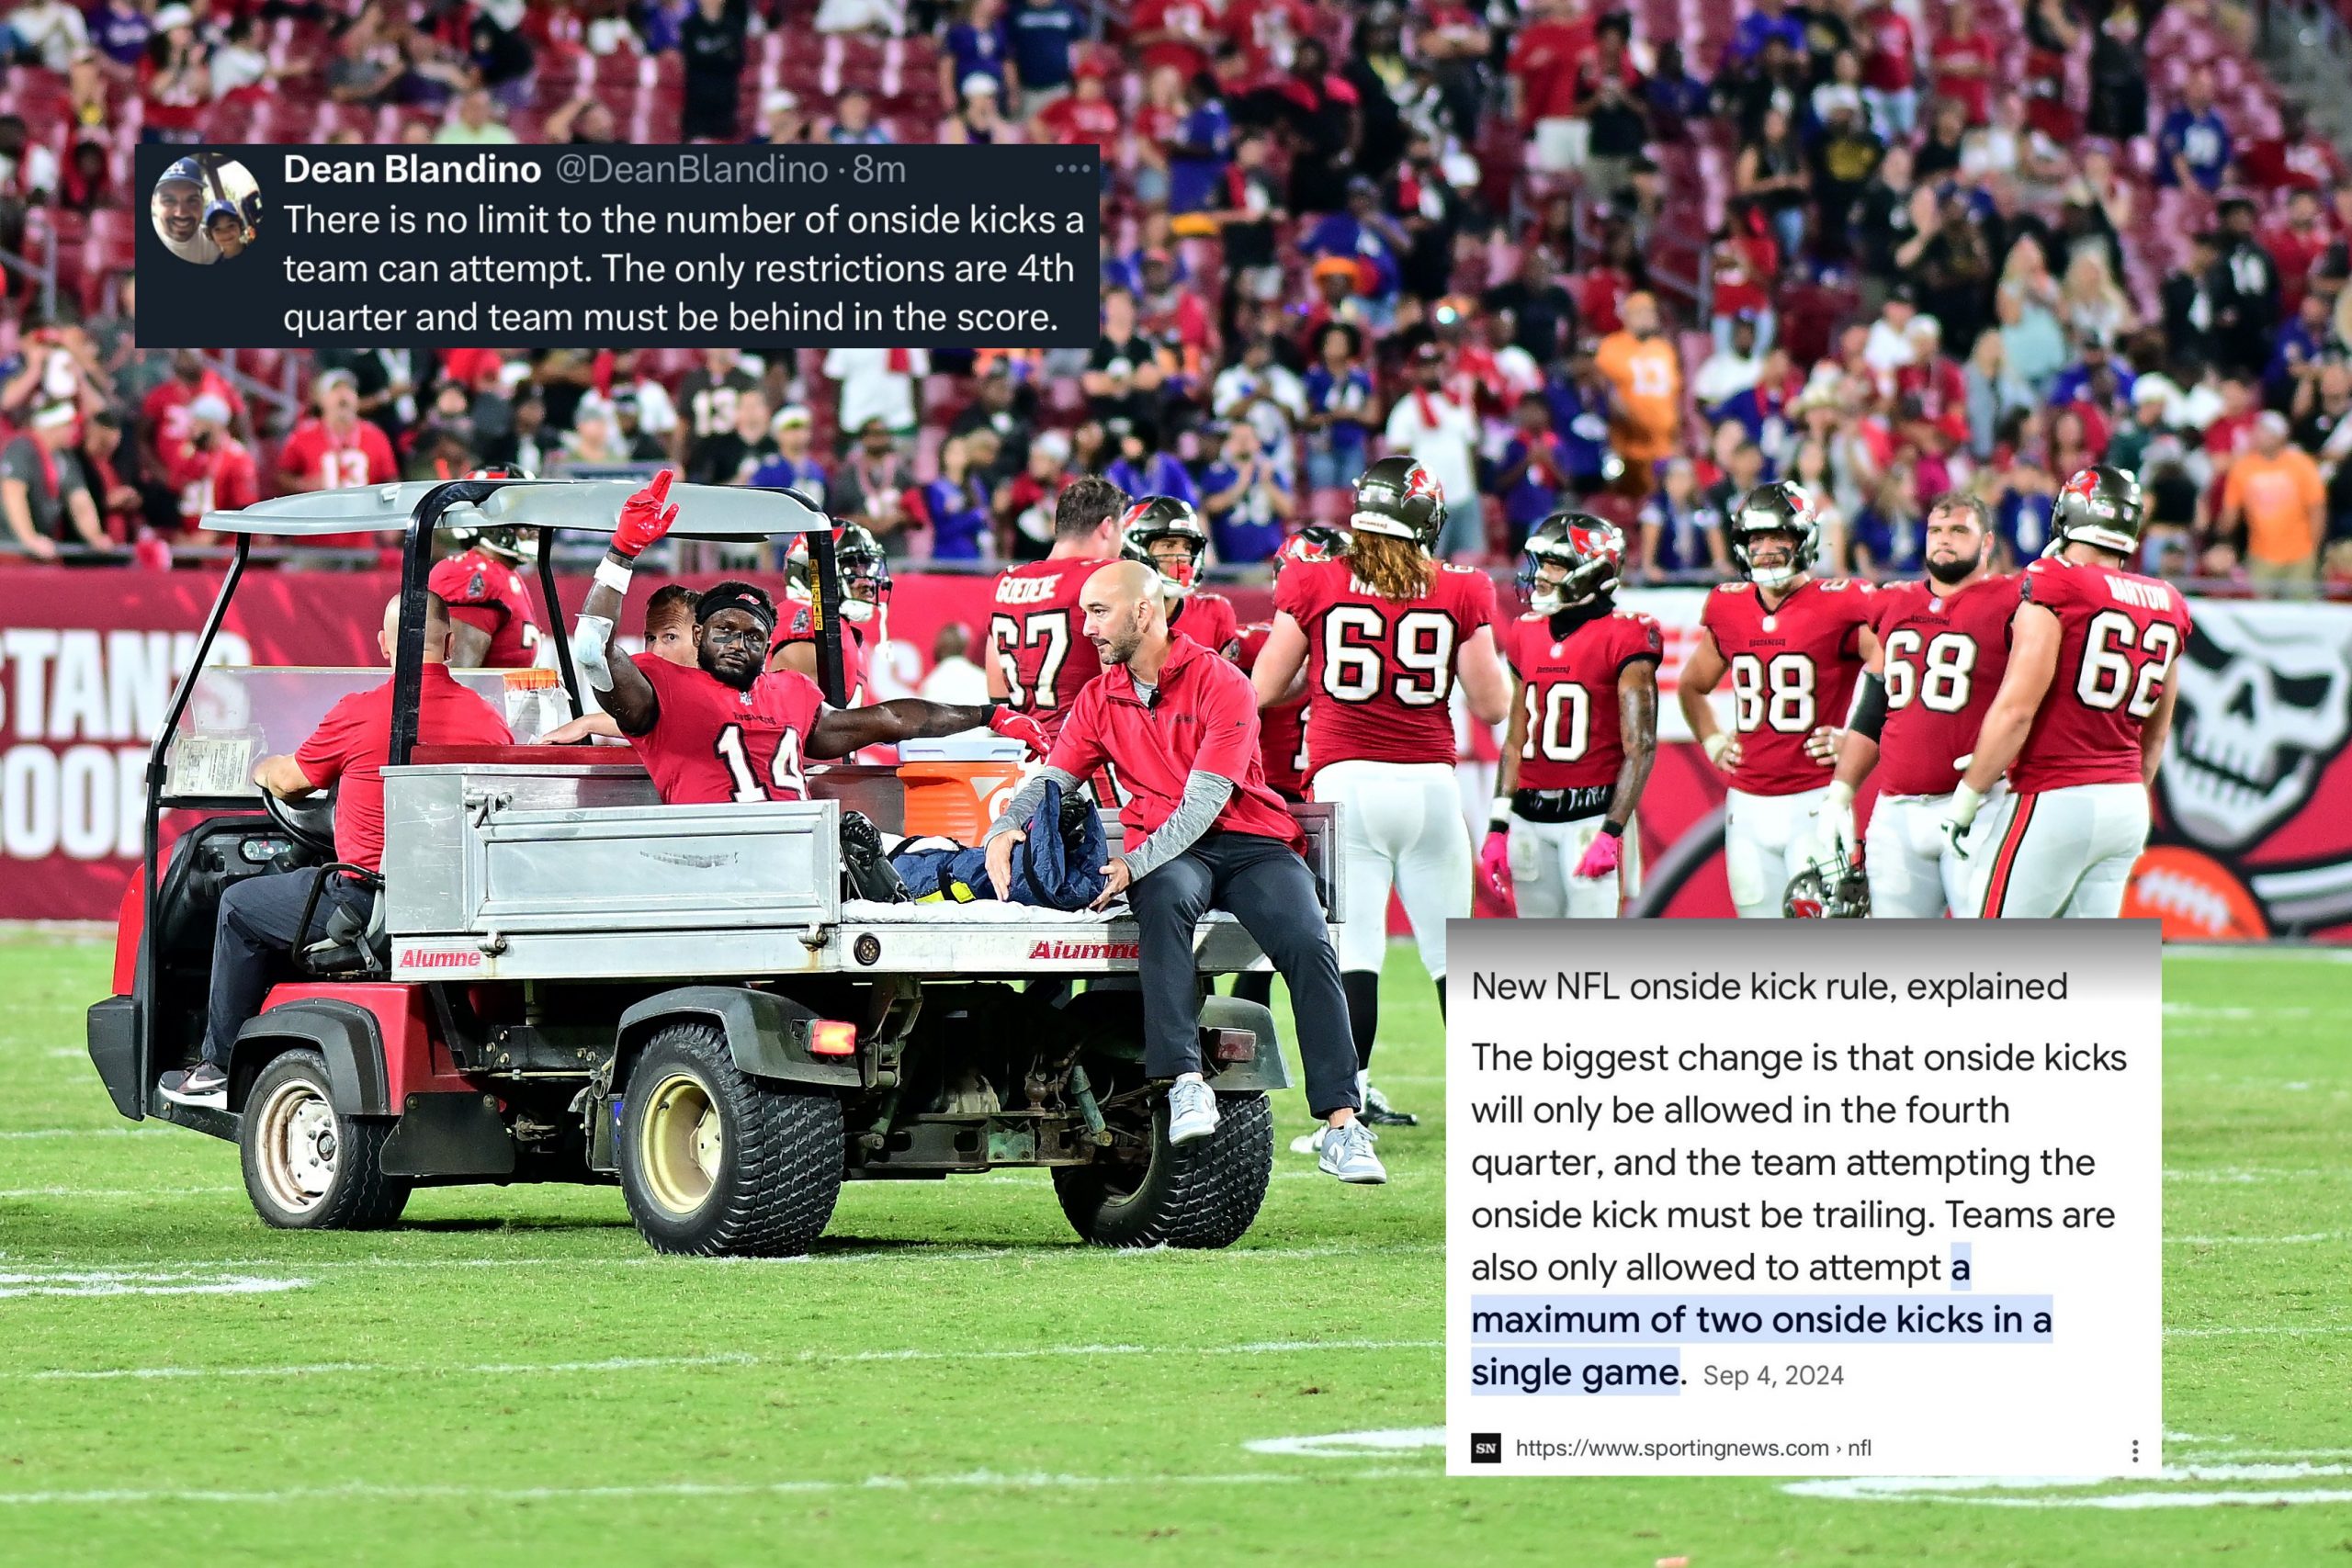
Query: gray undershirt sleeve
[1205,796]
[1018,810]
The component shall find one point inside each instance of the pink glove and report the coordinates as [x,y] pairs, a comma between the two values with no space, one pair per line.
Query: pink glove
[646,516]
[1020,726]
[1494,864]
[1602,855]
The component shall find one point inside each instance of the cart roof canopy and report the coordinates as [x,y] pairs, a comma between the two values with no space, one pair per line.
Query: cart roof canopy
[586,506]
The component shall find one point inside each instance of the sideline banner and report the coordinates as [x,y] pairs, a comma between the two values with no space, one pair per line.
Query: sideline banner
[2255,801]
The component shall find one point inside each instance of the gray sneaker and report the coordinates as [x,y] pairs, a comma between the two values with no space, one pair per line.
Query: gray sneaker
[203,1086]
[1192,1111]
[1347,1153]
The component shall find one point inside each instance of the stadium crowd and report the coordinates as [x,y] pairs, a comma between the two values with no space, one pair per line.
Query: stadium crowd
[1567,255]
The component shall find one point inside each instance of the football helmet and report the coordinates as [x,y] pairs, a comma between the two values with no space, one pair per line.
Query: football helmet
[1827,888]
[1778,508]
[859,557]
[1317,541]
[1399,496]
[503,540]
[1158,517]
[2100,505]
[1592,550]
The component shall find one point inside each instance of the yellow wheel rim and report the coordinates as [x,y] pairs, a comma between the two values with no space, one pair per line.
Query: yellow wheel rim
[679,1143]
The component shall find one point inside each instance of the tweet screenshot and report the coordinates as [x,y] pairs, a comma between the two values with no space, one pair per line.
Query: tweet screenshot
[1785,1209]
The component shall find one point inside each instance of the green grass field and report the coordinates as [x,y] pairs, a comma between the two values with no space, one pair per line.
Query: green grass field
[513,1377]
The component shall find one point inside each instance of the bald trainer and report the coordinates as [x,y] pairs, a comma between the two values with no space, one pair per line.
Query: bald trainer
[1176,726]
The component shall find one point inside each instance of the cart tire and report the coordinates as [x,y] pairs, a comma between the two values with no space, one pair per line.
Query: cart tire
[308,1168]
[1205,1194]
[717,1164]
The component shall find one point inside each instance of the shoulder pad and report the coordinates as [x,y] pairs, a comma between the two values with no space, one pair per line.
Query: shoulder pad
[1733,587]
[1465,571]
[1835,583]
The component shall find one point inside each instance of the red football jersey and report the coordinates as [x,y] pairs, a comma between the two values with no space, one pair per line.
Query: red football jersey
[1208,619]
[1945,654]
[711,743]
[1281,728]
[487,594]
[1039,635]
[1793,670]
[1379,672]
[1569,690]
[360,456]
[221,478]
[2118,635]
[801,626]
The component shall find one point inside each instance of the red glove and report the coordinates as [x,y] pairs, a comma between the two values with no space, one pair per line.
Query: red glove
[1602,855]
[1494,865]
[646,516]
[1020,726]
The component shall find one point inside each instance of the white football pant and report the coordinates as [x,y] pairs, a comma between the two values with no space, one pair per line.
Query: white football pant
[1767,838]
[1400,826]
[1914,874]
[1543,857]
[2063,852]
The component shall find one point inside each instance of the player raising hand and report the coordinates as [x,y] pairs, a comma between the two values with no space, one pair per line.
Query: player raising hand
[727,730]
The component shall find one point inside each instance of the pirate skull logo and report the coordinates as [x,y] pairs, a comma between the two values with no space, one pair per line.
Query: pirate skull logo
[2262,705]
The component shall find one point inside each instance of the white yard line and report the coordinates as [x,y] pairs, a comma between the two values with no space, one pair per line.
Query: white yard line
[725,1359]
[1040,1253]
[978,1481]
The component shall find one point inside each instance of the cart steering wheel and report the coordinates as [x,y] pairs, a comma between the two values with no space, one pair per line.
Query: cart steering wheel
[309,821]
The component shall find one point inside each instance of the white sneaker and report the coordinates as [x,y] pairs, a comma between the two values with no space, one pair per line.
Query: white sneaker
[1310,1142]
[1347,1153]
[1192,1111]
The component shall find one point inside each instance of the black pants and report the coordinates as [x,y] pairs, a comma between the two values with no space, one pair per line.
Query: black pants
[251,943]
[1264,885]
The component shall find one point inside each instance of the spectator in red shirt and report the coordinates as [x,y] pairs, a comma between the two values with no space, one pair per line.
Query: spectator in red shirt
[1889,69]
[1176,33]
[1086,115]
[1269,32]
[2296,242]
[346,753]
[337,450]
[1542,66]
[1965,62]
[2294,159]
[213,471]
[164,415]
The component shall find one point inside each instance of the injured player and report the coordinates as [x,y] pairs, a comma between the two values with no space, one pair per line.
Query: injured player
[727,728]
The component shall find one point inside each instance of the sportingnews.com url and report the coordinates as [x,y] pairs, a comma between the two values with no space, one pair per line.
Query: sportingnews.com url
[1688,1448]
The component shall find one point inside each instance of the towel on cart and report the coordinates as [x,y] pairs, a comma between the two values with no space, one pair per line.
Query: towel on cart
[1058,866]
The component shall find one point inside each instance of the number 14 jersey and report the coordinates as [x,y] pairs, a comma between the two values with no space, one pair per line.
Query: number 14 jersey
[1379,672]
[1793,668]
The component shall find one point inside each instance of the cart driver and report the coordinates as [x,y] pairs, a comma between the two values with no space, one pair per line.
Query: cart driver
[346,754]
[727,728]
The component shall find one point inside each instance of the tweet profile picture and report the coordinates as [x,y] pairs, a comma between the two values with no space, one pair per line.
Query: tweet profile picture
[206,208]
